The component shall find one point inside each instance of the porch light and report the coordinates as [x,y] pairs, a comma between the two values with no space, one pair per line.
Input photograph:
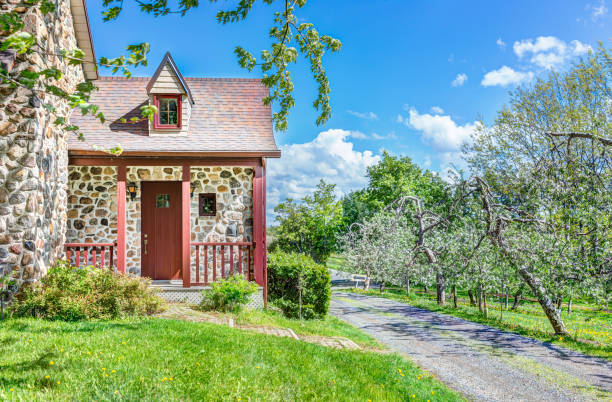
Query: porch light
[192,187]
[131,189]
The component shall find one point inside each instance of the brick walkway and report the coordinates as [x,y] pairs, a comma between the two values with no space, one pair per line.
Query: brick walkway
[182,312]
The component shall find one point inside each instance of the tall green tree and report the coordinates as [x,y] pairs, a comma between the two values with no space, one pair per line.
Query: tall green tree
[311,225]
[394,177]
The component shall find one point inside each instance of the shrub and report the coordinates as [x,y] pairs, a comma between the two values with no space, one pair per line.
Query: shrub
[287,273]
[229,294]
[71,294]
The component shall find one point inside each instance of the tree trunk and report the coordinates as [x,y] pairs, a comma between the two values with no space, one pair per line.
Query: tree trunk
[426,289]
[517,298]
[569,305]
[484,302]
[549,308]
[440,291]
[559,302]
[480,298]
[408,287]
[366,283]
[472,298]
[455,296]
[382,287]
[506,302]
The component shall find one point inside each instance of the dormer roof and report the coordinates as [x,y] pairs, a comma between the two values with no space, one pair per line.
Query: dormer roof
[168,65]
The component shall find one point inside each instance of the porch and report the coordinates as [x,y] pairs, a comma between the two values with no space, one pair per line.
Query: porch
[117,218]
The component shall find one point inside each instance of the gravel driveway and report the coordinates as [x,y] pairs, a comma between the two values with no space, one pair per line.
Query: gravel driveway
[481,362]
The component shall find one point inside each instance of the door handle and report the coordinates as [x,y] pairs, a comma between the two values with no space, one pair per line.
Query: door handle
[145,245]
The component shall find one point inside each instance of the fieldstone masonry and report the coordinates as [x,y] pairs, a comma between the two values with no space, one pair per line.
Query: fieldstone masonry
[33,152]
[92,208]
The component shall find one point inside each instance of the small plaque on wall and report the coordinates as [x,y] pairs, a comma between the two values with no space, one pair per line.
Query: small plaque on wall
[207,204]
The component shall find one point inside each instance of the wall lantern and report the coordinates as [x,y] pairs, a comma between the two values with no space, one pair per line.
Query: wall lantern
[192,187]
[131,189]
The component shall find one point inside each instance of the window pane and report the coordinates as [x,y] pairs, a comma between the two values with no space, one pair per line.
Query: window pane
[163,118]
[171,117]
[163,105]
[163,200]
[172,104]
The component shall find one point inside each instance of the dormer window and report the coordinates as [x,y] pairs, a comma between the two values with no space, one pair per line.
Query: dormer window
[168,114]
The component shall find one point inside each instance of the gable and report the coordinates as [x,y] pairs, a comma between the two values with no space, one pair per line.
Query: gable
[168,79]
[167,83]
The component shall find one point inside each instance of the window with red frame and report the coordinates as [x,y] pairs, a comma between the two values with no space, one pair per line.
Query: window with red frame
[168,111]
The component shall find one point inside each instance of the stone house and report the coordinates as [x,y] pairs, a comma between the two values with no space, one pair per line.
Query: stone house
[34,151]
[185,202]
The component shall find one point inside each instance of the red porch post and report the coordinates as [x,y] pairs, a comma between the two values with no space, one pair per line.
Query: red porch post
[259,227]
[186,226]
[121,174]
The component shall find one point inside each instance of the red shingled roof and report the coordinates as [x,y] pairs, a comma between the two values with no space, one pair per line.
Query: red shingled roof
[228,116]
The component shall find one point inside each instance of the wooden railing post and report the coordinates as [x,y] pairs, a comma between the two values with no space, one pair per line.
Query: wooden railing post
[186,226]
[121,212]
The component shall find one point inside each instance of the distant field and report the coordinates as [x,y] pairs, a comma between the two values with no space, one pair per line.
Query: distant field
[590,326]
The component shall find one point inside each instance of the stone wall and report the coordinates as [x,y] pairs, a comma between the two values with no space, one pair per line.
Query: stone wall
[92,204]
[33,152]
[92,212]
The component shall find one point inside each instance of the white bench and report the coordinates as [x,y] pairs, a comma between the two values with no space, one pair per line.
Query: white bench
[358,278]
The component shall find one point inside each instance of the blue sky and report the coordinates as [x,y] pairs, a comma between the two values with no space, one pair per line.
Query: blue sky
[413,77]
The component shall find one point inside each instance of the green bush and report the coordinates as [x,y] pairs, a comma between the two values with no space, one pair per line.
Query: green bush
[287,273]
[229,294]
[71,294]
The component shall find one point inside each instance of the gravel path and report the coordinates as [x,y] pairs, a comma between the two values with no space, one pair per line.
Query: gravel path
[481,362]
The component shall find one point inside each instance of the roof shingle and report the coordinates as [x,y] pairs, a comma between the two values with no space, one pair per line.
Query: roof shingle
[228,116]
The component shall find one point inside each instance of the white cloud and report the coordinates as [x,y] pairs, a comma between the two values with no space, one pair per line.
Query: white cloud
[440,131]
[548,51]
[365,116]
[390,136]
[330,156]
[400,119]
[427,162]
[505,76]
[500,43]
[359,135]
[459,80]
[436,110]
[598,11]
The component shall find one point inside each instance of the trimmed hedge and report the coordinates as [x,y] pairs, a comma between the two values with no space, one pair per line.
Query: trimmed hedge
[69,293]
[286,272]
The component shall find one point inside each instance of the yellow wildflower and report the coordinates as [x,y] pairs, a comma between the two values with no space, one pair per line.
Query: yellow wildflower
[103,368]
[11,389]
[47,377]
[113,371]
[58,383]
[51,363]
[116,392]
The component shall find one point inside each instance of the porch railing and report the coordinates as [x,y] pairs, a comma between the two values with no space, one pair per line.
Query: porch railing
[220,260]
[96,254]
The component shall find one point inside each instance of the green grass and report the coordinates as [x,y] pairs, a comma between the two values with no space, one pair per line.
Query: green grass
[157,359]
[328,326]
[590,329]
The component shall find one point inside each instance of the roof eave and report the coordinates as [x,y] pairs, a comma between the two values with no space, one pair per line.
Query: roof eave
[198,154]
[82,31]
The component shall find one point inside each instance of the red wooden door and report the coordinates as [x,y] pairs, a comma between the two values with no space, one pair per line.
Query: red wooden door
[161,229]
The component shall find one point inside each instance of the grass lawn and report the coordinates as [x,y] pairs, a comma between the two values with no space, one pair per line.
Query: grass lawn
[157,359]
